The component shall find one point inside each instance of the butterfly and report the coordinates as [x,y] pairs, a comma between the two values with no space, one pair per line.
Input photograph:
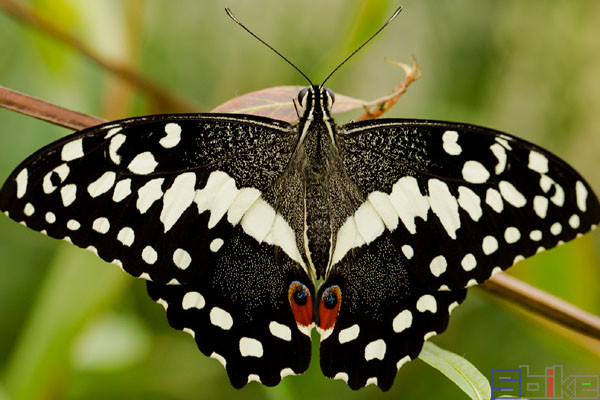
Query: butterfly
[232,220]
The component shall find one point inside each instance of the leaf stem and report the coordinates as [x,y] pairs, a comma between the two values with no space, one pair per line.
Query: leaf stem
[40,109]
[544,304]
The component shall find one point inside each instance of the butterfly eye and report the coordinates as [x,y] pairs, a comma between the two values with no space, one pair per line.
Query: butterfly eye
[329,97]
[302,97]
[301,302]
[330,305]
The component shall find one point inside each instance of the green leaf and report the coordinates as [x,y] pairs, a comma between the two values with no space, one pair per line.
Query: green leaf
[458,370]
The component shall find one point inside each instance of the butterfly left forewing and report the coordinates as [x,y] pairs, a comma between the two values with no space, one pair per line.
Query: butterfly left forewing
[156,195]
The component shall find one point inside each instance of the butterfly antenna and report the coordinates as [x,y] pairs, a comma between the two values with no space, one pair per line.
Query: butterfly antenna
[363,45]
[228,11]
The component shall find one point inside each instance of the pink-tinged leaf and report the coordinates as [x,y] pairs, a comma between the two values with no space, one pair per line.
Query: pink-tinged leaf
[276,102]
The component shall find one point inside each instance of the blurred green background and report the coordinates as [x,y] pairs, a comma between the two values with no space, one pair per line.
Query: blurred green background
[73,327]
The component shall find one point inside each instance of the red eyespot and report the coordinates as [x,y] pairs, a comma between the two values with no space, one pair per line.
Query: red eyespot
[301,302]
[329,308]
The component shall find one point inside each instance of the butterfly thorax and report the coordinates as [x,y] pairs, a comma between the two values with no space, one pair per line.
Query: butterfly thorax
[318,151]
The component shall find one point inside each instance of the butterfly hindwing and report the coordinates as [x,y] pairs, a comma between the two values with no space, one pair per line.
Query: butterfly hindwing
[152,194]
[385,315]
[238,311]
[461,202]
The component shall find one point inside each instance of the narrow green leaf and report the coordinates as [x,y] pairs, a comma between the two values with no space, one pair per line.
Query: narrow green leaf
[458,370]
[78,287]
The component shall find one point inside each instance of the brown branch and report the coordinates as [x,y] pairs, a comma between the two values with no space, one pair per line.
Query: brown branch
[544,304]
[502,285]
[40,109]
[165,101]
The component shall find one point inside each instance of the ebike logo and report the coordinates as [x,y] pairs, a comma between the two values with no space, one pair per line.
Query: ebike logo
[552,384]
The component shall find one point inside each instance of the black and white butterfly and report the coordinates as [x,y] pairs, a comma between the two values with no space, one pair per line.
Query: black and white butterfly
[232,218]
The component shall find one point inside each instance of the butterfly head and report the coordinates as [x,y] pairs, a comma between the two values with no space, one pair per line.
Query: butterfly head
[315,101]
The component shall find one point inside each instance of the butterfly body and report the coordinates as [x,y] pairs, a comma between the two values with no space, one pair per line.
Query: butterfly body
[231,218]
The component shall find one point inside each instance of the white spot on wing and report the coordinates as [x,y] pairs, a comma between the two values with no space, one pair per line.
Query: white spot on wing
[438,265]
[193,300]
[281,331]
[475,172]
[173,136]
[408,251]
[489,245]
[148,194]
[574,221]
[102,184]
[68,193]
[258,220]
[286,372]
[244,199]
[402,321]
[450,144]
[342,376]
[72,150]
[494,200]
[250,347]
[73,225]
[371,381]
[122,190]
[444,205]
[126,236]
[221,318]
[254,378]
[408,202]
[217,196]
[112,131]
[29,209]
[581,194]
[511,194]
[369,224]
[384,207]
[21,180]
[62,171]
[535,235]
[143,164]
[470,202]
[500,153]
[402,361]
[559,195]
[177,199]
[101,225]
[556,228]
[349,334]
[468,262]
[149,255]
[216,244]
[375,350]
[115,144]
[538,162]
[50,217]
[219,358]
[512,234]
[181,259]
[540,206]
[427,303]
